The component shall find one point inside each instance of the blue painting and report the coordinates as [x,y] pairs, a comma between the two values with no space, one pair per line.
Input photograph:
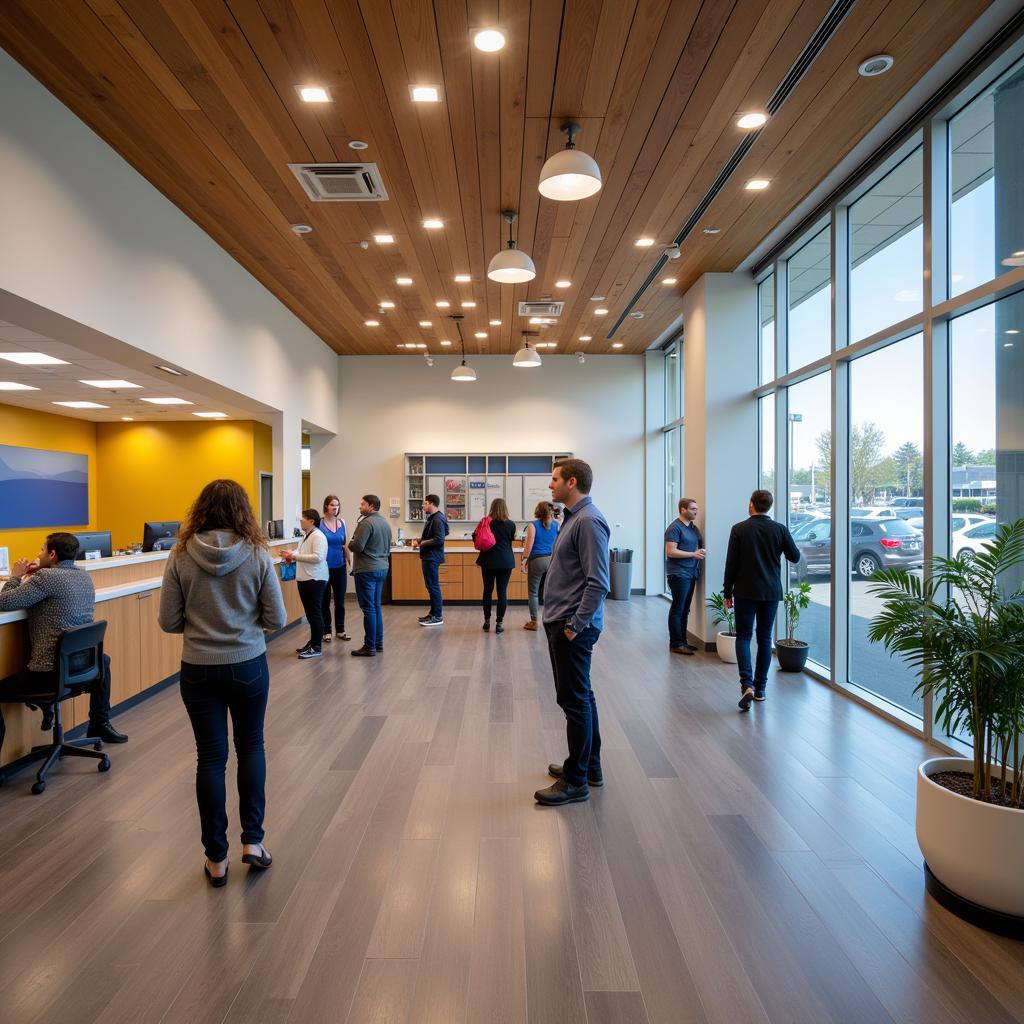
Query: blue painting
[42,488]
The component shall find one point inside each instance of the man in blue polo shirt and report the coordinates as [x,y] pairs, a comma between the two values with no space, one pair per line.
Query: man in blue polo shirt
[574,593]
[684,559]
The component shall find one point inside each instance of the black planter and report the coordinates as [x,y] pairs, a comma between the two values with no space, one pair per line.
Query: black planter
[792,654]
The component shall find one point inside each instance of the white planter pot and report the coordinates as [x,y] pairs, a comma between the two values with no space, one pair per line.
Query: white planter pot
[726,646]
[975,849]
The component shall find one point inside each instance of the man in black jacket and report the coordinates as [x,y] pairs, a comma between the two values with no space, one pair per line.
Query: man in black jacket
[435,529]
[753,587]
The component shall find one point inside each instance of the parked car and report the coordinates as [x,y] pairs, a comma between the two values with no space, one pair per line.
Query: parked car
[874,544]
[872,513]
[917,503]
[959,523]
[973,539]
[801,518]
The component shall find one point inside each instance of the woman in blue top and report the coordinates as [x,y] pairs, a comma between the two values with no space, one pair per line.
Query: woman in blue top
[540,542]
[335,530]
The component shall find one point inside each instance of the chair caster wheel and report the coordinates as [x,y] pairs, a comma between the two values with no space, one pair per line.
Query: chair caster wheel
[98,745]
[38,787]
[104,765]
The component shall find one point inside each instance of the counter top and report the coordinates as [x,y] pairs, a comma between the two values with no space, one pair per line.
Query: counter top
[396,550]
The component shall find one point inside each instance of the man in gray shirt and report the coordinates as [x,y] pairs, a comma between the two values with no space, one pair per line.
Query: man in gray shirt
[371,547]
[57,595]
[574,593]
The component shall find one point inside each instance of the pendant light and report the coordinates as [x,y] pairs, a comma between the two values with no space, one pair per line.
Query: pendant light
[570,174]
[462,372]
[526,356]
[511,265]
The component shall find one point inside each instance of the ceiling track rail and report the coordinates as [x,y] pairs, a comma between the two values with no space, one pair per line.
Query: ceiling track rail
[818,41]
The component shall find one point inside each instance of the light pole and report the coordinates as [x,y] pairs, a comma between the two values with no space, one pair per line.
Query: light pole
[794,417]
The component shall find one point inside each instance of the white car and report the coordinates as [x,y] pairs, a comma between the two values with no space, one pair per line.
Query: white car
[974,537]
[958,523]
[872,513]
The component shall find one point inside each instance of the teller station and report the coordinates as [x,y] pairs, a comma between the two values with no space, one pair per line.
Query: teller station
[142,656]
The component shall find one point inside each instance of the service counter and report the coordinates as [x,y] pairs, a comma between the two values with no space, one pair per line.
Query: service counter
[460,576]
[142,656]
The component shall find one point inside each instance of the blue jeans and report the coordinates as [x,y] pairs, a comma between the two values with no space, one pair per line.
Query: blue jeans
[570,663]
[369,588]
[682,588]
[210,693]
[747,613]
[433,585]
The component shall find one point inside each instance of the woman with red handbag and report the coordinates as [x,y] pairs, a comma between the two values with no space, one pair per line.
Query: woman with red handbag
[493,538]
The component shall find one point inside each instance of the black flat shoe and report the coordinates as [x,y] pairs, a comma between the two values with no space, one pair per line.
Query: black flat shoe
[214,880]
[107,733]
[364,652]
[487,625]
[262,860]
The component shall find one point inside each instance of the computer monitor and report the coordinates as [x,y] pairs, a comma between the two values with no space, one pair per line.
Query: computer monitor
[159,536]
[88,542]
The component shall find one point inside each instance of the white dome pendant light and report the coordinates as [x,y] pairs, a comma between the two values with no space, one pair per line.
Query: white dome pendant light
[462,372]
[570,174]
[526,356]
[511,265]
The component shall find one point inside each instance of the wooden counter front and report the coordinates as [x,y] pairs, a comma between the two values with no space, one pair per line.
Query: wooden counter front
[459,576]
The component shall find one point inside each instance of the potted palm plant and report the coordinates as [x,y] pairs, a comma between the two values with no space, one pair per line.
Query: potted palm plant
[962,631]
[725,640]
[792,652]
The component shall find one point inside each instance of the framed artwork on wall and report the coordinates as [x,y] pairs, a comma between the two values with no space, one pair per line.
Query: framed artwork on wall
[42,488]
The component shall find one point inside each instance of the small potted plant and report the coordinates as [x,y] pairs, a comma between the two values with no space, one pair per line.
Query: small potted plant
[725,640]
[961,629]
[792,652]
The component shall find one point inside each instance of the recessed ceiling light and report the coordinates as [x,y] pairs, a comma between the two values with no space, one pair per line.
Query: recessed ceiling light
[442,303]
[171,370]
[387,305]
[1007,344]
[494,323]
[543,321]
[469,304]
[13,385]
[82,405]
[875,66]
[211,415]
[384,239]
[644,243]
[403,281]
[425,323]
[597,298]
[446,343]
[480,334]
[127,419]
[668,280]
[358,144]
[1012,330]
[711,231]
[372,323]
[616,344]
[410,344]
[314,94]
[563,284]
[757,184]
[433,223]
[584,337]
[425,93]
[110,385]
[600,312]
[462,278]
[419,344]
[489,40]
[33,359]
[752,120]
[302,229]
[168,401]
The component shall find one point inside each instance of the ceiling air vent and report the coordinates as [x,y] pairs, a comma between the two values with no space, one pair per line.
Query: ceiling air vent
[541,308]
[341,183]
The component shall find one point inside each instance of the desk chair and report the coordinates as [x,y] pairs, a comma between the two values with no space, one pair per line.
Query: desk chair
[78,663]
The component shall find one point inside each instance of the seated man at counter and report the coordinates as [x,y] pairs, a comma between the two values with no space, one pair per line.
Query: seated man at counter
[57,595]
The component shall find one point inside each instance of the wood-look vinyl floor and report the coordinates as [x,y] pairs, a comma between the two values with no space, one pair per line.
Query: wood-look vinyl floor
[735,868]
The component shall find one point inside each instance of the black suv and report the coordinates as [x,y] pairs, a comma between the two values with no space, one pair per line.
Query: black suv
[874,544]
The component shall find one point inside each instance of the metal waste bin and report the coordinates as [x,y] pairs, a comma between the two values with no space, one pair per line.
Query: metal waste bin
[622,573]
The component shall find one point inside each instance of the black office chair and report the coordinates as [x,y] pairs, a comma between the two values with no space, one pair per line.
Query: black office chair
[78,663]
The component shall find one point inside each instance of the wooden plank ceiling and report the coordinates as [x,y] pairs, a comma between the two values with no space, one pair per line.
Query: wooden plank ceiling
[200,96]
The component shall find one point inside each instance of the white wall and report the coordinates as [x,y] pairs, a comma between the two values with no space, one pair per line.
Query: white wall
[84,235]
[389,405]
[720,433]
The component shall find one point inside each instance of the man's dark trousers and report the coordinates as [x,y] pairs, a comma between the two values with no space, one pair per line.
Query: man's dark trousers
[747,614]
[431,578]
[570,662]
[682,588]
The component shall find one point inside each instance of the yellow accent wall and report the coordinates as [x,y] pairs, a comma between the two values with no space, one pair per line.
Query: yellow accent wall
[27,428]
[154,471]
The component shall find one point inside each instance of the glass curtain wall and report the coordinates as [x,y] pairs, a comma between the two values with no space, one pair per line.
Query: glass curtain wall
[672,433]
[925,396]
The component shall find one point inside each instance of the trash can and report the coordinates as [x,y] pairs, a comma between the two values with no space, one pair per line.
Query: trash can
[622,573]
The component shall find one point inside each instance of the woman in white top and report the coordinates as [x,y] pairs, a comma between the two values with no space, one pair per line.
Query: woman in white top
[310,559]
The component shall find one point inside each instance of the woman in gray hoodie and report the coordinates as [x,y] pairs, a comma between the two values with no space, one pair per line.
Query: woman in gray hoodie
[221,591]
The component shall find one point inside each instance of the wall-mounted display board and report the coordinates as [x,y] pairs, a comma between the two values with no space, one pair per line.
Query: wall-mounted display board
[468,483]
[42,488]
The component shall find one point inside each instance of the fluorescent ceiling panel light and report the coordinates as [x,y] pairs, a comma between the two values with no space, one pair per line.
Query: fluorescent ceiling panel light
[13,385]
[33,359]
[403,281]
[425,93]
[433,223]
[757,184]
[600,312]
[168,401]
[211,415]
[127,419]
[584,337]
[110,385]
[426,323]
[314,94]
[644,243]
[372,323]
[494,323]
[668,280]
[387,305]
[616,344]
[480,334]
[563,284]
[462,278]
[384,239]
[469,304]
[82,405]
[446,343]
[442,303]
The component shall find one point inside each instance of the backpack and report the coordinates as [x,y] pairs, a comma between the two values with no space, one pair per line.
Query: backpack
[483,536]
